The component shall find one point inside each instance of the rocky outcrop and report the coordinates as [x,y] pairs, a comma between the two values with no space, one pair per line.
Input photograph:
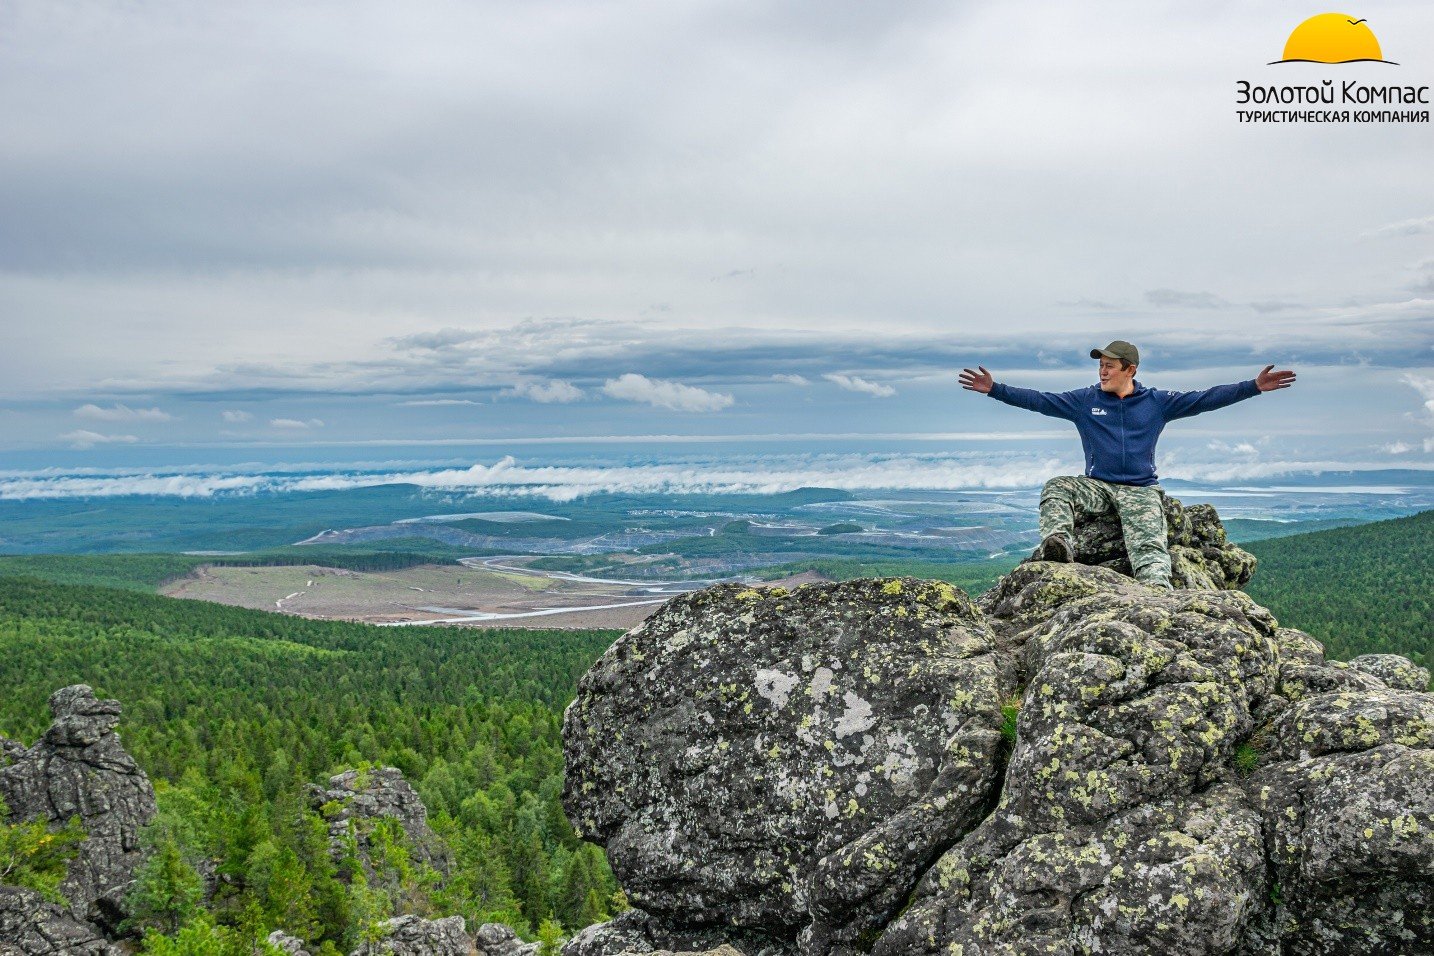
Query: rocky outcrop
[286,944]
[413,936]
[634,931]
[1395,671]
[30,926]
[79,768]
[826,771]
[495,939]
[787,762]
[356,799]
[1200,554]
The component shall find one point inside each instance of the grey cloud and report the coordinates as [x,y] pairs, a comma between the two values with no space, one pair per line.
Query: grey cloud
[586,354]
[389,190]
[1404,227]
[546,392]
[1174,298]
[84,438]
[1096,304]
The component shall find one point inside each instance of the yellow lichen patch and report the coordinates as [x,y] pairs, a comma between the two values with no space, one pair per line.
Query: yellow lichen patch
[891,587]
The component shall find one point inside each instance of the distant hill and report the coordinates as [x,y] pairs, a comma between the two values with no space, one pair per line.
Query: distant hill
[1240,530]
[1360,590]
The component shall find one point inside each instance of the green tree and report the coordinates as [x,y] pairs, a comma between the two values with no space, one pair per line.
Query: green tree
[166,891]
[36,857]
[550,938]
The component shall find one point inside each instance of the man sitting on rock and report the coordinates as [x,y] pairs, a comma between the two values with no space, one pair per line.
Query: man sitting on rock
[1119,422]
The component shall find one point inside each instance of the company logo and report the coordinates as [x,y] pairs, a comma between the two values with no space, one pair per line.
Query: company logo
[1333,38]
[1097,411]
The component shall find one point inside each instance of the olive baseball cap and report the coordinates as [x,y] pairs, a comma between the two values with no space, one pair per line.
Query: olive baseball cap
[1118,350]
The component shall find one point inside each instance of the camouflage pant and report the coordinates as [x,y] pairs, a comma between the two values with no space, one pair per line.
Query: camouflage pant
[1139,508]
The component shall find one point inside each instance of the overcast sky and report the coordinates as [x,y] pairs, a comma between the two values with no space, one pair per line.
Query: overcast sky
[297,224]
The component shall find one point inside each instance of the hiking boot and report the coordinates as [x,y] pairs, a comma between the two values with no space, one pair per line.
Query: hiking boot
[1055,547]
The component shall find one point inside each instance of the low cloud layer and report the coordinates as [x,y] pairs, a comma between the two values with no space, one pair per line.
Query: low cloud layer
[770,474]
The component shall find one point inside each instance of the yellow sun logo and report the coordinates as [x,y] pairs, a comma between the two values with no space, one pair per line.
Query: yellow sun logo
[1333,38]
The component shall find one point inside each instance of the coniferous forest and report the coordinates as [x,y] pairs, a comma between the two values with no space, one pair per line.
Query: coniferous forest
[231,712]
[1368,589]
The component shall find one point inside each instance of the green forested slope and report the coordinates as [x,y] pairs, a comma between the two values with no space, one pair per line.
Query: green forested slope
[1361,590]
[232,711]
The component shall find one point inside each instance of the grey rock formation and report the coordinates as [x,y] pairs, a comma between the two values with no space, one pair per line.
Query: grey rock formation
[30,926]
[79,768]
[358,798]
[787,761]
[1185,776]
[413,936]
[1398,672]
[637,932]
[289,945]
[1200,555]
[495,939]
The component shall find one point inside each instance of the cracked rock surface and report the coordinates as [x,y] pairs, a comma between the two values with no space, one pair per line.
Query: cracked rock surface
[785,761]
[826,771]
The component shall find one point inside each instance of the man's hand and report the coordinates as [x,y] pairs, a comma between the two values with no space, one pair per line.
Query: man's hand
[977,383]
[1268,381]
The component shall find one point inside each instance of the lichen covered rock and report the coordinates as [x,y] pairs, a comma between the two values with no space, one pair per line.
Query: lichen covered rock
[1135,702]
[1200,554]
[1178,774]
[780,761]
[1397,672]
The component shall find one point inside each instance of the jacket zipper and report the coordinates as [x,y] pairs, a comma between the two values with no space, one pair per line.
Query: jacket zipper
[1124,468]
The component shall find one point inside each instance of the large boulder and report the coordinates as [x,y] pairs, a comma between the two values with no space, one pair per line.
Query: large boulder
[79,768]
[1200,554]
[1177,773]
[496,939]
[787,761]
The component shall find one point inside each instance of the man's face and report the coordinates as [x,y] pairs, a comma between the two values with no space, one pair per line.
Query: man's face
[1112,377]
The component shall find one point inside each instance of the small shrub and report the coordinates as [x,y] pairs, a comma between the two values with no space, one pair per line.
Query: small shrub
[1010,711]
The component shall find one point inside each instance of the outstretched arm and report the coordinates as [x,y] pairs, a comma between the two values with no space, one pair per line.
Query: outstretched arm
[1185,404]
[1054,404]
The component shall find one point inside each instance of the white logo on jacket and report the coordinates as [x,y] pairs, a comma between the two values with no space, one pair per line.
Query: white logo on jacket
[1097,411]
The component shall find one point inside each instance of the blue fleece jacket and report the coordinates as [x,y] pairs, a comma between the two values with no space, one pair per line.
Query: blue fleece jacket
[1119,434]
